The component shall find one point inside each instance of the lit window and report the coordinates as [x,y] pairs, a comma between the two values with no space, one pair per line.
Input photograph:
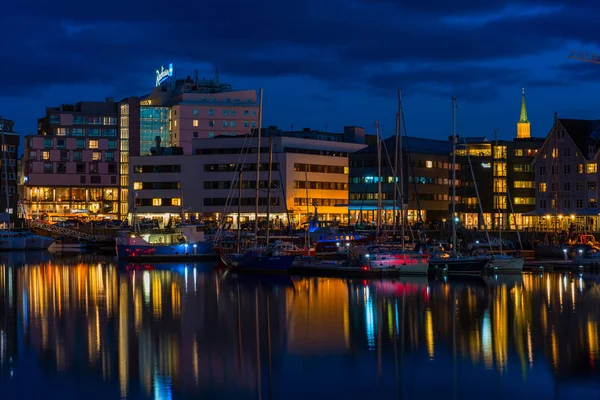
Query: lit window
[93,144]
[592,168]
[156,202]
[518,152]
[45,155]
[543,187]
[211,123]
[137,185]
[96,155]
[195,122]
[176,201]
[429,164]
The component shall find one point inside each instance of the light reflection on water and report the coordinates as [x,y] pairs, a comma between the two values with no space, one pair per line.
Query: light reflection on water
[87,327]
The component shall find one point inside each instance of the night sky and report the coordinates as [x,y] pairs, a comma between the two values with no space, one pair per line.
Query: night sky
[322,64]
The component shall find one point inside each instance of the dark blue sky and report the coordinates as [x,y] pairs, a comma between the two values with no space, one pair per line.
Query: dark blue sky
[321,63]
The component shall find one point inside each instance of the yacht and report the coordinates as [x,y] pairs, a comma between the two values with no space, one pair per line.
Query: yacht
[403,262]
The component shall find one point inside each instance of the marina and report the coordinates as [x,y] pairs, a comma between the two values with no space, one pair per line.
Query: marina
[383,332]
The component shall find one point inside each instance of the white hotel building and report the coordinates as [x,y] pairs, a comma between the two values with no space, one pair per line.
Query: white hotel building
[205,183]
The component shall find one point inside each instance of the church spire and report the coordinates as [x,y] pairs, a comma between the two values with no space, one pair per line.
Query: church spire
[523,126]
[523,108]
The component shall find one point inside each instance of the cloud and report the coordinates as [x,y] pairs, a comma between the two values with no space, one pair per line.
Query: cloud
[432,46]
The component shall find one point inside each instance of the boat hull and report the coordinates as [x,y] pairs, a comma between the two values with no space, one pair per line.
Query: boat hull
[459,266]
[37,242]
[506,265]
[152,252]
[400,263]
[254,262]
[550,251]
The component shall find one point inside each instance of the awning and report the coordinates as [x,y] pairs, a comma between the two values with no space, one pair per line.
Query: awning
[587,212]
[533,213]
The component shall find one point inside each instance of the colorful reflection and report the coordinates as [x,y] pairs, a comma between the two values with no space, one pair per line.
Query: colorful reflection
[187,330]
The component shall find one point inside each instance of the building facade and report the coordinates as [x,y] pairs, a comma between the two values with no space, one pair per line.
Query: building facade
[504,193]
[72,164]
[205,185]
[9,140]
[425,167]
[180,110]
[566,171]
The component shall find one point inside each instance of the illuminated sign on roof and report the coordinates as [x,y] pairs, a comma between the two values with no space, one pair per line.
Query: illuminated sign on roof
[164,74]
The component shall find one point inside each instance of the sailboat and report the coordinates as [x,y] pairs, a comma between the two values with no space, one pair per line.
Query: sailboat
[498,262]
[455,263]
[271,259]
[401,261]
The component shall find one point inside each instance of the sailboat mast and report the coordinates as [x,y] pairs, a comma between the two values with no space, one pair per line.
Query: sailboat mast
[379,203]
[395,178]
[306,239]
[400,166]
[452,216]
[239,212]
[4,167]
[260,104]
[269,185]
[501,219]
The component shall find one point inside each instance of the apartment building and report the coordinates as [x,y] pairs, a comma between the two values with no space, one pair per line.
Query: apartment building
[72,164]
[304,172]
[9,140]
[566,174]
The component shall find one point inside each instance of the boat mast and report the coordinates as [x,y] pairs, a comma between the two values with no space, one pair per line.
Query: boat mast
[396,171]
[379,203]
[400,166]
[239,213]
[306,239]
[269,185]
[452,216]
[5,168]
[260,95]
[501,220]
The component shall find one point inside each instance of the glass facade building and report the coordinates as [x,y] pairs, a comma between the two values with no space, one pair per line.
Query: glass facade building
[154,121]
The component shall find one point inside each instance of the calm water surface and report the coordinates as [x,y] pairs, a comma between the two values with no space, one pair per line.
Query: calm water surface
[87,328]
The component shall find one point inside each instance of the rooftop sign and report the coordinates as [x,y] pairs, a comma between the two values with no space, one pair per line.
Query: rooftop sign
[163,74]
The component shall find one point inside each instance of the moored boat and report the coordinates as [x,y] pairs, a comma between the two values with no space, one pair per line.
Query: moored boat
[458,265]
[502,263]
[187,242]
[402,262]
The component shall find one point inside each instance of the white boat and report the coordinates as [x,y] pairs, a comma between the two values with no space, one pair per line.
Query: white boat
[505,263]
[37,242]
[403,262]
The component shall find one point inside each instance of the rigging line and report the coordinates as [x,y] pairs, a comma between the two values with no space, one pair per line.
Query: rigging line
[230,195]
[282,187]
[412,169]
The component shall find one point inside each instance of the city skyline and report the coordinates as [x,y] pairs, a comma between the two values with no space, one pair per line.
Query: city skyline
[322,69]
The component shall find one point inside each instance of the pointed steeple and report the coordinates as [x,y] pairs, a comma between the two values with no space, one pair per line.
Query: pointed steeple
[523,126]
[523,108]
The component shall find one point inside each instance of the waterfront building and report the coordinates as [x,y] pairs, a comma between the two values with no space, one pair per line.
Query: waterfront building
[72,164]
[204,185]
[504,175]
[566,171]
[426,166]
[9,140]
[179,110]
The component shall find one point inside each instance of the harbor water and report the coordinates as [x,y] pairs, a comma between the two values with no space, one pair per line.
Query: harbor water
[88,327]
